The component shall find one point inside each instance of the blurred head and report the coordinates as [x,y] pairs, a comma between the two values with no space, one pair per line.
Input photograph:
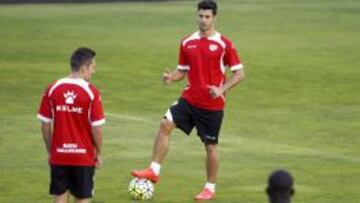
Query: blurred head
[207,10]
[280,187]
[83,61]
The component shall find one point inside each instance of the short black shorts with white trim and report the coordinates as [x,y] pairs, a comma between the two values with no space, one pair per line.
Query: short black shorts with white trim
[78,179]
[186,117]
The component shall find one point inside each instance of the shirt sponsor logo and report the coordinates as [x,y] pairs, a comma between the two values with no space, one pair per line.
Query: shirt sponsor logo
[70,148]
[213,47]
[66,108]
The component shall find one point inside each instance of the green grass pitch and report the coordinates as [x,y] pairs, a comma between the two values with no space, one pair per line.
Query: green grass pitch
[298,108]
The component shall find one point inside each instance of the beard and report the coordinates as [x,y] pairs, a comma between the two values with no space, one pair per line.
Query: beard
[203,28]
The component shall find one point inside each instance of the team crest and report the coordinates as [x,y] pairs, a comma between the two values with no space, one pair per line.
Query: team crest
[70,96]
[213,47]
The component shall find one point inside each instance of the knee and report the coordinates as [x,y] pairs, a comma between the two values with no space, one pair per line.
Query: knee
[210,148]
[166,126]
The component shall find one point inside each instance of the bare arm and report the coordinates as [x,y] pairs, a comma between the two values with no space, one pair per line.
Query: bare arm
[46,134]
[97,137]
[176,75]
[235,79]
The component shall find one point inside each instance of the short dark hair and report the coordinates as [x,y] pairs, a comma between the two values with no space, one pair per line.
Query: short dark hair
[208,5]
[280,186]
[80,57]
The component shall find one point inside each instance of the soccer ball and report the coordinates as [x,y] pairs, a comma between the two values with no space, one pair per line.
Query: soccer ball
[141,189]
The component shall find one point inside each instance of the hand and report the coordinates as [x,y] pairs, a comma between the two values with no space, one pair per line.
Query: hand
[166,77]
[98,161]
[215,92]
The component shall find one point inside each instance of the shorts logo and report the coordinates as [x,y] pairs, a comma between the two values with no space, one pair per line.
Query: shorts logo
[70,96]
[209,137]
[213,47]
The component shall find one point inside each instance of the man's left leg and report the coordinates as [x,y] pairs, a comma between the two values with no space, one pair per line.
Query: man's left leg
[212,162]
[86,200]
[212,165]
[82,183]
[208,124]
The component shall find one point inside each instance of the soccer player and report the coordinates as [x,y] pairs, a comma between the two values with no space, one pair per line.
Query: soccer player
[71,116]
[280,187]
[204,56]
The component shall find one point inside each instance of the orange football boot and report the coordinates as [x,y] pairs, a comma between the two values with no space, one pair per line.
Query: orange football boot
[147,173]
[206,194]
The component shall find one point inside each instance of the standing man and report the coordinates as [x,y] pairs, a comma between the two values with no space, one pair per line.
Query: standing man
[280,187]
[73,142]
[203,58]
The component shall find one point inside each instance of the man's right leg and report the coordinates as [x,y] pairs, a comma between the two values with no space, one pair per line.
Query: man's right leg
[59,183]
[63,198]
[178,115]
[161,144]
[160,149]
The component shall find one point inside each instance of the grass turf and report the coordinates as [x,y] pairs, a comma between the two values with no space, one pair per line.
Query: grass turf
[297,109]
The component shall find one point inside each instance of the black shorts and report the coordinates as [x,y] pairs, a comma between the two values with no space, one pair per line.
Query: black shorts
[186,117]
[78,179]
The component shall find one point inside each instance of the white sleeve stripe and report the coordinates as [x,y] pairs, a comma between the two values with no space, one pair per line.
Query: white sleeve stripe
[183,67]
[44,119]
[98,122]
[237,67]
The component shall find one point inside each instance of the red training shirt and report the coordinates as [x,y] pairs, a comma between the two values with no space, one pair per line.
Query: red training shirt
[74,106]
[205,59]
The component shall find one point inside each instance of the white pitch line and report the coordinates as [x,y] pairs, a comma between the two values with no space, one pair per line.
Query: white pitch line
[303,150]
[131,118]
[296,150]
